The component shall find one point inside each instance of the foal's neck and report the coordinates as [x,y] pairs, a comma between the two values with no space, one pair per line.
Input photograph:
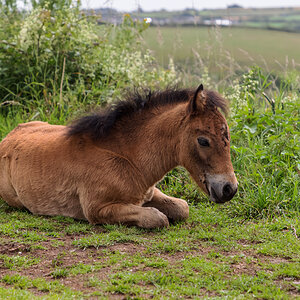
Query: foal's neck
[158,141]
[151,141]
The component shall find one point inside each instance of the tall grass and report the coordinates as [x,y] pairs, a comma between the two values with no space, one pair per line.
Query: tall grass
[266,156]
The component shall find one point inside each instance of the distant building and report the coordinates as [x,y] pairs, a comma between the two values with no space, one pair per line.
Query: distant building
[219,22]
[234,6]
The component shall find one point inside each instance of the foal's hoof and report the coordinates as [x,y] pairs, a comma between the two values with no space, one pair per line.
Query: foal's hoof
[153,218]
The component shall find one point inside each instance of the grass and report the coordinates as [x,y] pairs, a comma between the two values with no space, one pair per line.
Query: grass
[210,255]
[269,49]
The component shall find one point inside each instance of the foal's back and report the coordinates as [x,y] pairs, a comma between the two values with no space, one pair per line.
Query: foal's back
[29,152]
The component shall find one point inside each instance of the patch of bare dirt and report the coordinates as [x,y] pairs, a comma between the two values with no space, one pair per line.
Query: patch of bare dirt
[12,248]
[127,248]
[245,243]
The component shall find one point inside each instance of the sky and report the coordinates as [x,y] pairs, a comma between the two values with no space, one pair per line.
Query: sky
[148,5]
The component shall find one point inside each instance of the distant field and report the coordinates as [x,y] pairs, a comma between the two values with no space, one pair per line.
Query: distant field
[273,50]
[286,19]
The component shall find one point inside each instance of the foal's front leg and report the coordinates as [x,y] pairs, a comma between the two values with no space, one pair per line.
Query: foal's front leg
[175,209]
[129,214]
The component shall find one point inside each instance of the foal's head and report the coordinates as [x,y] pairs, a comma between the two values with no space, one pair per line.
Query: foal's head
[205,146]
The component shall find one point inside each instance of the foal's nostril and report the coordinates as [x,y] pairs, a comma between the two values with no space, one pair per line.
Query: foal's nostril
[227,190]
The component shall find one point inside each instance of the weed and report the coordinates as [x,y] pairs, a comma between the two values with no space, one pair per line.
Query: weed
[58,260]
[104,239]
[18,261]
[60,273]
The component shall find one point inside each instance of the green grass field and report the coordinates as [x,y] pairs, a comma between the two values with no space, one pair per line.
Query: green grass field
[273,50]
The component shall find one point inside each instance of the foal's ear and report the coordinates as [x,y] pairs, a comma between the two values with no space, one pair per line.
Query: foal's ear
[198,101]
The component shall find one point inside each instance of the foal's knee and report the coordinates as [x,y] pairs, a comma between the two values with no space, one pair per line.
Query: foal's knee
[152,218]
[175,209]
[179,210]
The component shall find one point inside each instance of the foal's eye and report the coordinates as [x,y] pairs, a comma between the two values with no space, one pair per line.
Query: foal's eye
[203,142]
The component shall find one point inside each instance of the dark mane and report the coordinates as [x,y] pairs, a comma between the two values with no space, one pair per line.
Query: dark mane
[215,100]
[98,125]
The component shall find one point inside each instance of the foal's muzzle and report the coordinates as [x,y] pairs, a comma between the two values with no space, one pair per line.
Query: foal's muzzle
[221,188]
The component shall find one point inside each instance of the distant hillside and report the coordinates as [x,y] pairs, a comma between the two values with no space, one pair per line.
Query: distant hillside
[286,19]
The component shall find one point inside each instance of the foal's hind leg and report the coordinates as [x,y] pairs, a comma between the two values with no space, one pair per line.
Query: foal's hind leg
[129,214]
[175,209]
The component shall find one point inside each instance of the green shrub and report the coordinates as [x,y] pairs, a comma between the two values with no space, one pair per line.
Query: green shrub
[59,52]
[266,157]
[265,127]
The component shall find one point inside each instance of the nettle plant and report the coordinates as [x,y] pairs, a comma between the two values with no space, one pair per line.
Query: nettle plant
[63,50]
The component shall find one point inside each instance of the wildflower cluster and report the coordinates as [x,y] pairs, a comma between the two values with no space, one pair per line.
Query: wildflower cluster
[235,95]
[243,90]
[134,68]
[256,88]
[43,30]
[250,80]
[206,80]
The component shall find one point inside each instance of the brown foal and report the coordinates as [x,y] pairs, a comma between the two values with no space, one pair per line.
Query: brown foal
[104,167]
